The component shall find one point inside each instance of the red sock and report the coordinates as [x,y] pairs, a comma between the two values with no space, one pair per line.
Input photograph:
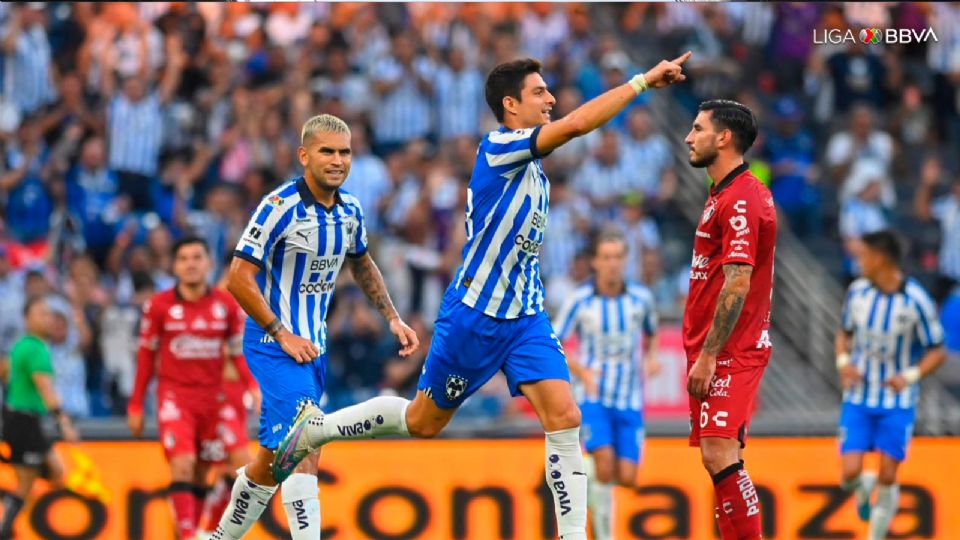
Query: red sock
[184,509]
[217,502]
[738,501]
[727,532]
[199,499]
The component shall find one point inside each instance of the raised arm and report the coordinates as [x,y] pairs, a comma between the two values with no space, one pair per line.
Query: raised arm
[599,110]
[370,281]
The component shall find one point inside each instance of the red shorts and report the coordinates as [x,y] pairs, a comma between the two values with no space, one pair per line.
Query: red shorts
[726,411]
[232,428]
[189,427]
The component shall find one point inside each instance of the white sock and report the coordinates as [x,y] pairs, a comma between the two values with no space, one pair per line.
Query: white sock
[247,501]
[888,499]
[568,482]
[600,501]
[377,417]
[861,486]
[300,502]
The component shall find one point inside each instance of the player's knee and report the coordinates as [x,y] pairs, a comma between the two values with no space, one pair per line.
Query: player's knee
[715,459]
[424,430]
[627,479]
[567,417]
[604,472]
[887,477]
[182,468]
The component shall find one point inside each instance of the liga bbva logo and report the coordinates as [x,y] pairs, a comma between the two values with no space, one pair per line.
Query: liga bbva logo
[872,36]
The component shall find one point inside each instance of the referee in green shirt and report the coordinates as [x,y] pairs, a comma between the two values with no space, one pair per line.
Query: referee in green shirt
[30,395]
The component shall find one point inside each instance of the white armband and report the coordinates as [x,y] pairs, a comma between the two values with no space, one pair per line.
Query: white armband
[843,360]
[912,374]
[639,84]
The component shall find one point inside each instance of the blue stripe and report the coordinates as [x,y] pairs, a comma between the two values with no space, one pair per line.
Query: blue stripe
[510,291]
[311,306]
[278,229]
[471,266]
[276,271]
[620,314]
[924,325]
[601,386]
[298,268]
[616,385]
[886,317]
[873,310]
[490,285]
[337,231]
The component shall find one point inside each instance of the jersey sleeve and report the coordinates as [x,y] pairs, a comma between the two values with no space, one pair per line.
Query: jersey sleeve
[566,321]
[358,244]
[151,324]
[511,148]
[266,226]
[740,226]
[929,329]
[38,358]
[846,316]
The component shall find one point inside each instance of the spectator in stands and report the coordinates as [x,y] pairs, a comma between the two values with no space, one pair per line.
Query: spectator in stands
[669,298]
[640,233]
[28,203]
[943,59]
[11,309]
[27,49]
[567,229]
[650,158]
[543,28]
[858,76]
[403,84]
[458,93]
[369,180]
[605,177]
[136,108]
[789,149]
[861,215]
[68,334]
[118,344]
[338,82]
[92,195]
[860,142]
[945,210]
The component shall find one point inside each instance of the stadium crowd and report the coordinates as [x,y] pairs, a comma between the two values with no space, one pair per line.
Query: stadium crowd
[125,126]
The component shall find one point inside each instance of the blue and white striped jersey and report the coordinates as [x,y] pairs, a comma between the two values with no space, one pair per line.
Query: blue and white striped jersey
[889,333]
[299,246]
[506,217]
[135,131]
[609,329]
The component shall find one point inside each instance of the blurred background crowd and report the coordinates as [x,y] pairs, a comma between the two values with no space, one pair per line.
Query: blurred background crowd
[125,126]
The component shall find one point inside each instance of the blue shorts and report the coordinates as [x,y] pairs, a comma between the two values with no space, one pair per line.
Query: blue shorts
[864,429]
[469,347]
[606,426]
[284,384]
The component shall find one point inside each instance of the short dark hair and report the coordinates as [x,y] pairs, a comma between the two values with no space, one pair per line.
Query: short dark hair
[32,301]
[735,116]
[507,80]
[605,235]
[189,240]
[885,242]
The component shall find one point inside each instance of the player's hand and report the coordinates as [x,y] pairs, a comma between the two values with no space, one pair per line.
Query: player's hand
[897,382]
[405,335]
[850,376]
[667,72]
[135,423]
[652,367]
[301,350]
[700,376]
[67,431]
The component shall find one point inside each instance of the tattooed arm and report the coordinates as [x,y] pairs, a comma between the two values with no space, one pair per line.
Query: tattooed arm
[370,281]
[368,277]
[736,285]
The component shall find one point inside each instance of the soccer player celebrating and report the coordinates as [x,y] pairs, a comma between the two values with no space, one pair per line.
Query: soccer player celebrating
[890,337]
[30,395]
[183,335]
[283,275]
[491,317]
[727,318]
[609,315]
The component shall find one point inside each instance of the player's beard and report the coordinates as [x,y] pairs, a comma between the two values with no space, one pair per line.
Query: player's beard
[706,159]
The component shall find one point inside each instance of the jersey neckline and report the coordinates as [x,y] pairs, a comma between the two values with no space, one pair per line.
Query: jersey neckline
[729,178]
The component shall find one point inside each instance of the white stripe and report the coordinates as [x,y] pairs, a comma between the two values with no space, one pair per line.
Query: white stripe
[504,137]
[498,160]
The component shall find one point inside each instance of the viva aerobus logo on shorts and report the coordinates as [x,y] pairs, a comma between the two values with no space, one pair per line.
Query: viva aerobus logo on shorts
[873,36]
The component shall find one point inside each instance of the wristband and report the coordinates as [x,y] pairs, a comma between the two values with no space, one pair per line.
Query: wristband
[638,83]
[274,327]
[843,360]
[912,374]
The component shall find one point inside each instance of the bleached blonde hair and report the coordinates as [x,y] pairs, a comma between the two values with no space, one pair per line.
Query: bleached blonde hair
[322,123]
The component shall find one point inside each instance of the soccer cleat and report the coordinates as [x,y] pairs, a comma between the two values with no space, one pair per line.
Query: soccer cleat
[295,446]
[867,482]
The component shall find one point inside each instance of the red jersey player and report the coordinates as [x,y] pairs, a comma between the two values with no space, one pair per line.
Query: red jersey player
[727,317]
[184,334]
